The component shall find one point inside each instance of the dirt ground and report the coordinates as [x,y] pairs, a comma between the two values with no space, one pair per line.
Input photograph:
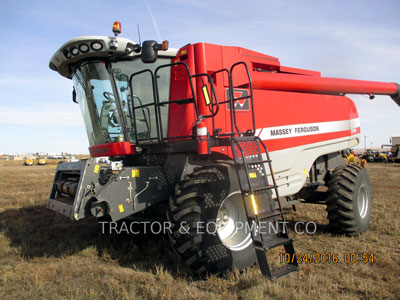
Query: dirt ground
[46,256]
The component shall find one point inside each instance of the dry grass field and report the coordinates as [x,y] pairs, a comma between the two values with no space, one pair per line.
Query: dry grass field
[45,256]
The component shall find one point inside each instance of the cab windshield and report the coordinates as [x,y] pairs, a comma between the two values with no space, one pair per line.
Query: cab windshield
[126,116]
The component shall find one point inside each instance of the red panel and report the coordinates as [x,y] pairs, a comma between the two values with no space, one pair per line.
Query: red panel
[282,95]
[181,118]
[200,68]
[112,149]
[273,108]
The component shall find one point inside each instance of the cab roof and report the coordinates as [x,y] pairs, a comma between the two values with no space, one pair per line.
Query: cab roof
[87,47]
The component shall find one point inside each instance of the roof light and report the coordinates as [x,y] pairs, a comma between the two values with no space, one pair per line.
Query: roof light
[83,48]
[117,28]
[66,53]
[96,46]
[74,51]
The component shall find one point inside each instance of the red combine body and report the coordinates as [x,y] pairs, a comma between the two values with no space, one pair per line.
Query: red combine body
[222,135]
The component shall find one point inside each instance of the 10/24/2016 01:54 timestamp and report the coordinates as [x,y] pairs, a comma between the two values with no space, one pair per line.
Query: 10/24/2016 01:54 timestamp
[327,258]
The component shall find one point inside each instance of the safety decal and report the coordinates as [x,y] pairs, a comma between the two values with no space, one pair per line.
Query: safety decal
[136,173]
[253,175]
[206,95]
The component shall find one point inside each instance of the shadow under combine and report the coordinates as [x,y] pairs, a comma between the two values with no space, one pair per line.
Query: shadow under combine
[39,232]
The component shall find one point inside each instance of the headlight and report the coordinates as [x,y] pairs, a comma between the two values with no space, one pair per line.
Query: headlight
[83,48]
[96,46]
[74,51]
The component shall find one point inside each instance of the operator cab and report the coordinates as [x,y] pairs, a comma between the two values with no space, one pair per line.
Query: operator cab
[114,86]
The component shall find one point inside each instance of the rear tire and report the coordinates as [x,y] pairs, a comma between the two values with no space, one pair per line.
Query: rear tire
[349,201]
[210,195]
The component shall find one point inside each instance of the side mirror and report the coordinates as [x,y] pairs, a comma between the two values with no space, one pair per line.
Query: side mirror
[74,95]
[150,50]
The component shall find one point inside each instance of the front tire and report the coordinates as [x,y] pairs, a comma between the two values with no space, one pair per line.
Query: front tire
[205,212]
[349,201]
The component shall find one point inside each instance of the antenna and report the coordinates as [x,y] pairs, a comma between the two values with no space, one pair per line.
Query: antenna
[138,30]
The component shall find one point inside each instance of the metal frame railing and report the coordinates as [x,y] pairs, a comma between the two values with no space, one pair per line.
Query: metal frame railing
[213,106]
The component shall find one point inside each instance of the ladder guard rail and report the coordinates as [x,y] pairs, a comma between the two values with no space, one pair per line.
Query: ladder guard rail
[250,96]
[157,100]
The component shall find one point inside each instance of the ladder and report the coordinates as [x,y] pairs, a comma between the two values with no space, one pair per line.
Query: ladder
[260,197]
[270,229]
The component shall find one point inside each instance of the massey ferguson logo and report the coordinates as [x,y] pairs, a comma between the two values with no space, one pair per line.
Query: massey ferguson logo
[240,105]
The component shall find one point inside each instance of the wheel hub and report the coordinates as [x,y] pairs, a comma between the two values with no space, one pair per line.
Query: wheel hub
[362,201]
[232,226]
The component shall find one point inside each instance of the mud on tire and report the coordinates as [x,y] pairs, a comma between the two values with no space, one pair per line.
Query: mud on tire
[349,201]
[194,206]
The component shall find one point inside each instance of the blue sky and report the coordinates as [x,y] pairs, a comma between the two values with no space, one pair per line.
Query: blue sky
[349,39]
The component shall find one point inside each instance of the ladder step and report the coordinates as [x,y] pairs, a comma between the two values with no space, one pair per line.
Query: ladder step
[255,162]
[252,169]
[272,243]
[259,189]
[270,215]
[245,138]
[283,270]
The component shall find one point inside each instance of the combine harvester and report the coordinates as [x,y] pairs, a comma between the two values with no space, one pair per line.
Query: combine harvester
[211,135]
[394,149]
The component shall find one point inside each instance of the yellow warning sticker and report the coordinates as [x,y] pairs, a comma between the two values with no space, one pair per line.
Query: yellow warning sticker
[253,175]
[136,173]
[96,168]
[121,208]
[206,95]
[183,52]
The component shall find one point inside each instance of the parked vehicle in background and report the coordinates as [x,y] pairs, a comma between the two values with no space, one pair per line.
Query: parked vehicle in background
[28,162]
[394,150]
[41,161]
[373,155]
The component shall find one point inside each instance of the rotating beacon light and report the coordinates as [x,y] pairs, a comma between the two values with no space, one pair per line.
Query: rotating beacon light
[117,28]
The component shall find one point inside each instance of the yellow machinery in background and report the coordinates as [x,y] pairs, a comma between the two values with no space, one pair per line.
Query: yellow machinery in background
[351,158]
[41,161]
[28,162]
[373,155]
